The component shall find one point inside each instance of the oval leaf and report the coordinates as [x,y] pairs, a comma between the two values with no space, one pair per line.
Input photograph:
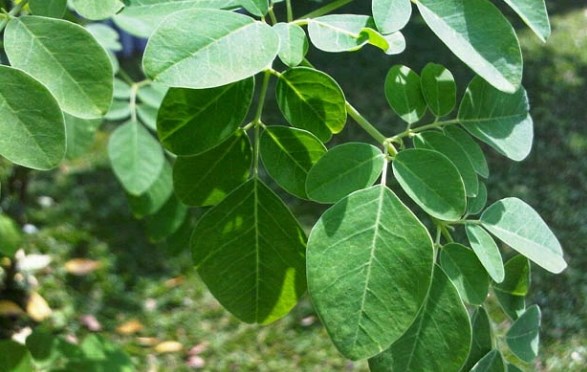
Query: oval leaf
[210,48]
[487,251]
[499,119]
[136,157]
[358,247]
[152,200]
[471,148]
[293,43]
[288,154]
[96,10]
[391,15]
[311,100]
[519,226]
[477,33]
[466,272]
[80,135]
[191,121]
[256,7]
[167,220]
[249,250]
[523,337]
[534,14]
[48,8]
[344,169]
[432,181]
[491,362]
[339,32]
[31,137]
[517,277]
[205,179]
[439,338]
[482,342]
[439,89]
[476,204]
[512,306]
[404,93]
[43,47]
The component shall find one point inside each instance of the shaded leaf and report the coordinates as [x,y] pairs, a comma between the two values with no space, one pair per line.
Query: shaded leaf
[466,272]
[517,277]
[48,8]
[523,337]
[512,306]
[482,342]
[167,220]
[404,93]
[439,89]
[256,7]
[155,197]
[477,203]
[471,148]
[491,362]
[80,135]
[15,357]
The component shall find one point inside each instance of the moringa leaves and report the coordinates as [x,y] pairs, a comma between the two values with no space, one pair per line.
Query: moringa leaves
[439,89]
[466,272]
[358,247]
[391,15]
[96,10]
[487,251]
[293,43]
[404,93]
[523,338]
[534,14]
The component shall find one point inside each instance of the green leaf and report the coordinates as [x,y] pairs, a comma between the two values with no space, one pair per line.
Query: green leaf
[311,100]
[482,342]
[432,181]
[141,18]
[80,135]
[31,137]
[439,89]
[404,94]
[43,47]
[491,362]
[439,338]
[256,7]
[147,115]
[194,121]
[15,357]
[518,225]
[48,8]
[136,157]
[499,119]
[344,169]
[167,220]
[534,14]
[155,197]
[96,10]
[369,267]
[523,337]
[487,251]
[210,48]
[517,277]
[451,149]
[121,89]
[477,203]
[471,148]
[105,36]
[152,94]
[391,15]
[288,154]
[512,368]
[512,306]
[207,178]
[477,33]
[293,43]
[466,272]
[10,236]
[249,250]
[120,110]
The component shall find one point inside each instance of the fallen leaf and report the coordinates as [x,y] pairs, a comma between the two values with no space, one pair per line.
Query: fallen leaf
[196,362]
[199,348]
[37,308]
[147,341]
[91,323]
[168,347]
[174,282]
[130,327]
[82,266]
[9,308]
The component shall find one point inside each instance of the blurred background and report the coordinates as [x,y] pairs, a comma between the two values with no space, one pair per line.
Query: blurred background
[98,273]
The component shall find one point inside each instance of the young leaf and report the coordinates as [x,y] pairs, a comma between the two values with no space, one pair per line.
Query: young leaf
[43,47]
[477,33]
[466,272]
[80,135]
[249,250]
[523,337]
[48,8]
[311,100]
[167,220]
[438,340]
[404,93]
[31,122]
[210,48]
[477,203]
[471,148]
[152,200]
[357,248]
[534,14]
[451,149]
[96,10]
[205,179]
[142,18]
[482,342]
[293,43]
[432,181]
[342,170]
[391,15]
[439,89]
[288,154]
[487,251]
[499,119]
[517,277]
[491,362]
[192,121]
[519,226]
[512,306]
[136,157]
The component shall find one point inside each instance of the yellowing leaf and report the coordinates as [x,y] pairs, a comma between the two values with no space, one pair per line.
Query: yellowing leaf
[81,266]
[169,347]
[174,282]
[9,308]
[130,327]
[37,308]
[147,341]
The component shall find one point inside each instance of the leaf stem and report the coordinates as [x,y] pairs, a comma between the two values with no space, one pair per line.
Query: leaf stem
[272,15]
[13,12]
[257,124]
[289,10]
[411,131]
[326,9]
[446,233]
[370,129]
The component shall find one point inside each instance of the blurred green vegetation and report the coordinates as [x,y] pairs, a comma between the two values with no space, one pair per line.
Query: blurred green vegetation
[86,216]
